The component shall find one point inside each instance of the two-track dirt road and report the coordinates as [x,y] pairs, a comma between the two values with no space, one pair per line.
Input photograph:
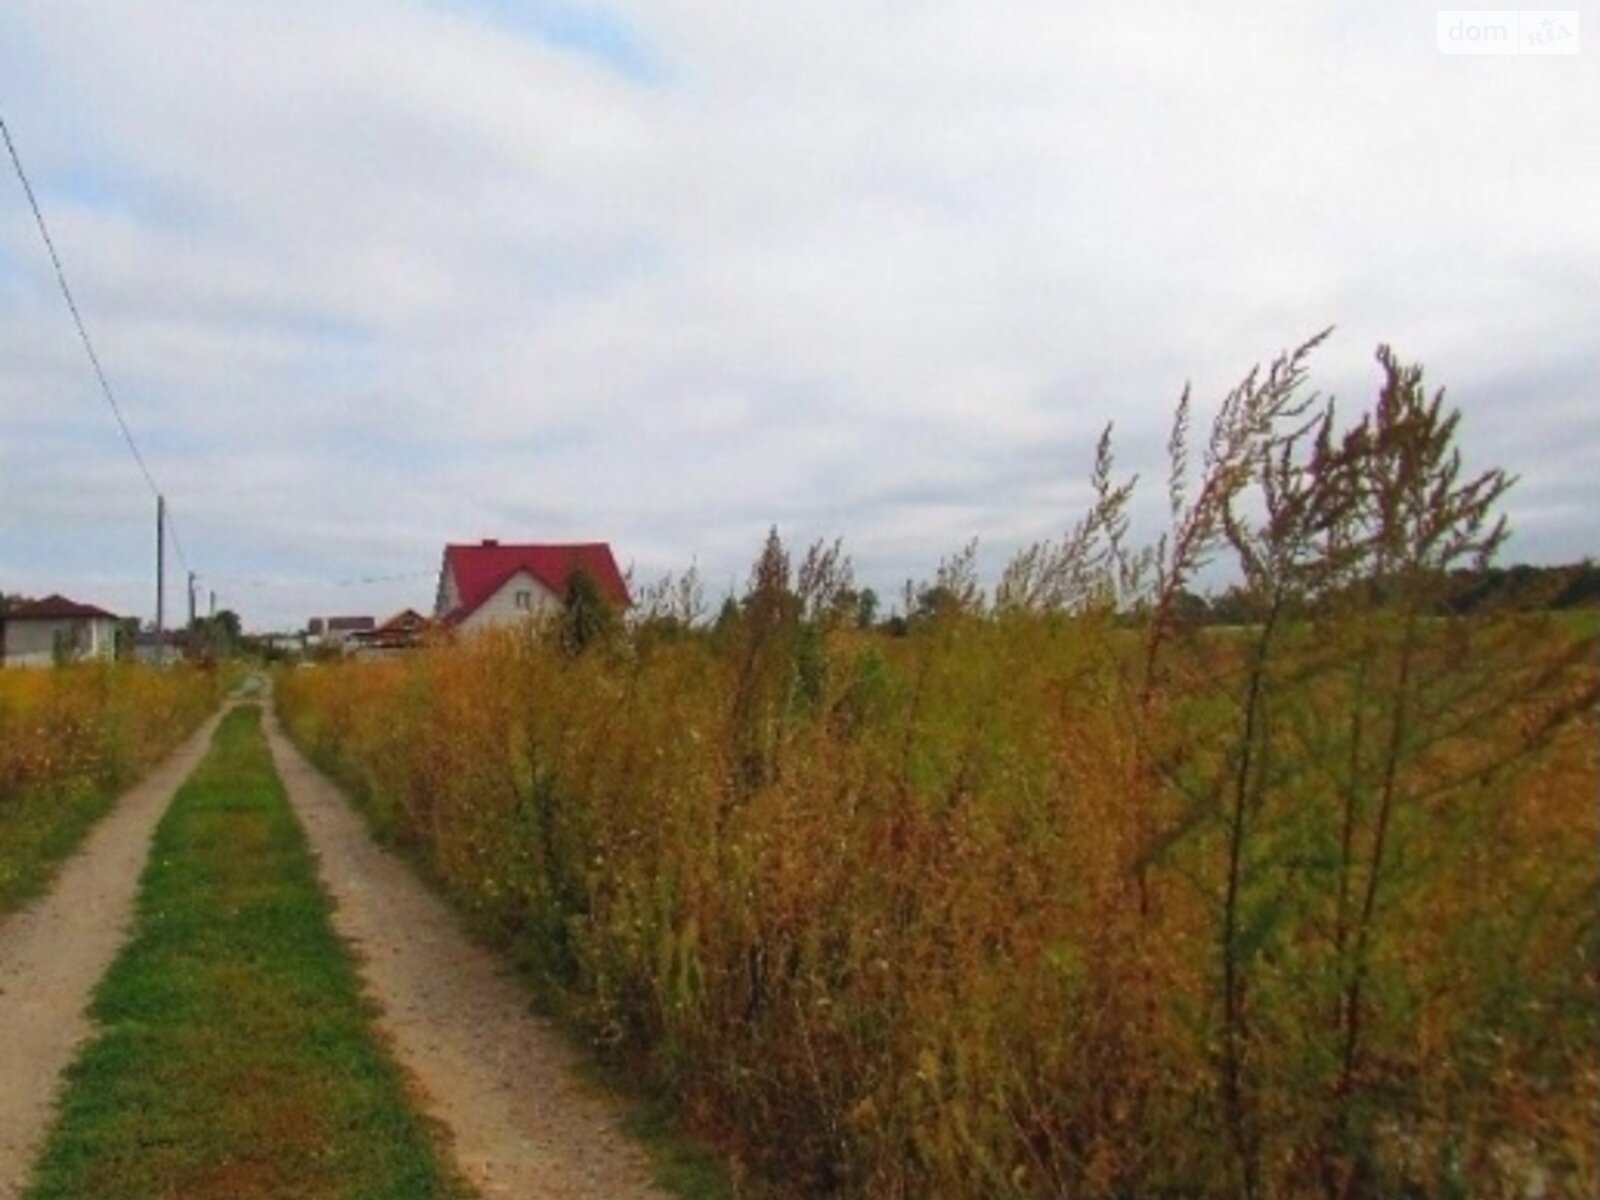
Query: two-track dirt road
[54,952]
[521,1120]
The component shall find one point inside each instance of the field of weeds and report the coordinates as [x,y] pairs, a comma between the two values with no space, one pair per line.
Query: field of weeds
[70,739]
[1055,893]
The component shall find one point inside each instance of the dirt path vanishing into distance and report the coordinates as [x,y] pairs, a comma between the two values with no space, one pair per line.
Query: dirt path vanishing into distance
[54,951]
[522,1122]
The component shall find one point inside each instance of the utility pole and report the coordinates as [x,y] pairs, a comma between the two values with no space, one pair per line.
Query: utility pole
[161,580]
[191,599]
[213,603]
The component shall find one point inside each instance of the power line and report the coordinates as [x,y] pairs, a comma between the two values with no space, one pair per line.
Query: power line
[106,390]
[88,344]
[361,580]
[77,317]
[308,584]
[177,542]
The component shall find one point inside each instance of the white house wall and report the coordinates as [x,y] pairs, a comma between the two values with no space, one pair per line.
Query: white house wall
[502,609]
[32,643]
[449,597]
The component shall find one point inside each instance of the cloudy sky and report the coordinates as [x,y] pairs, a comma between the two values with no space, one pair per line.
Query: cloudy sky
[372,276]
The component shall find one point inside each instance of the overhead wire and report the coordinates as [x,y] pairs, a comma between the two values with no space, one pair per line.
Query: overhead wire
[355,581]
[88,343]
[126,430]
[177,542]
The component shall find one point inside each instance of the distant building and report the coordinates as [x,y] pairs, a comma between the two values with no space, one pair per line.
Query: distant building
[284,643]
[39,633]
[171,647]
[404,631]
[489,584]
[337,633]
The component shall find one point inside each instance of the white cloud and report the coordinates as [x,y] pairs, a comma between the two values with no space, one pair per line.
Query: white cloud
[374,275]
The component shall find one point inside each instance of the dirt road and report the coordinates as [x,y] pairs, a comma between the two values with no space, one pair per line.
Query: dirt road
[523,1124]
[53,953]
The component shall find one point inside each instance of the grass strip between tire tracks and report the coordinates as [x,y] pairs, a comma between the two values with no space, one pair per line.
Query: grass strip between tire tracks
[236,1057]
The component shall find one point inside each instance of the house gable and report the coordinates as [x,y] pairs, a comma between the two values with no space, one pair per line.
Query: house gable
[479,584]
[519,598]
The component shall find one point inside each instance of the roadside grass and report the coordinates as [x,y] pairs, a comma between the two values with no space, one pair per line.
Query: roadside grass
[236,1057]
[71,740]
[39,831]
[681,1167]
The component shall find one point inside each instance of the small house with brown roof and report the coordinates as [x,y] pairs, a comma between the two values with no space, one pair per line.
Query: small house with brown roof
[39,633]
[490,583]
[406,630]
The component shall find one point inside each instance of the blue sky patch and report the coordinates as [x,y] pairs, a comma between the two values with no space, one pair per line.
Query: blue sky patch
[587,29]
[85,189]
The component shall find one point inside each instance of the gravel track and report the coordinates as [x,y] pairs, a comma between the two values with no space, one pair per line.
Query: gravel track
[54,951]
[501,1080]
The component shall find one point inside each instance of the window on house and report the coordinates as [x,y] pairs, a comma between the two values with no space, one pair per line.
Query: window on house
[525,601]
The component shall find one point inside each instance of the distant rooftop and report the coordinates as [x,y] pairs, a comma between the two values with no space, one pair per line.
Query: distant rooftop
[56,608]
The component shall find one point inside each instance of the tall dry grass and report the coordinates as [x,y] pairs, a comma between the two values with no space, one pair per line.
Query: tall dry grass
[1057,895]
[70,739]
[94,725]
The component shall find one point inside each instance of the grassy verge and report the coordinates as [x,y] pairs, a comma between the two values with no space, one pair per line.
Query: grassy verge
[36,833]
[678,1165]
[71,740]
[236,1057]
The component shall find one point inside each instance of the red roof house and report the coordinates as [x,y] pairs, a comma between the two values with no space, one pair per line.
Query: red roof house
[491,583]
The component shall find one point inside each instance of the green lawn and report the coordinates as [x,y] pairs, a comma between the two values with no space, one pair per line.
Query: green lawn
[236,1057]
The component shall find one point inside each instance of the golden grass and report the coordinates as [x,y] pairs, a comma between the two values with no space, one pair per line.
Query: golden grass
[929,951]
[70,739]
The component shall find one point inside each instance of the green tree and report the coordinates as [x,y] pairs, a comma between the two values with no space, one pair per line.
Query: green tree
[586,618]
[867,605]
